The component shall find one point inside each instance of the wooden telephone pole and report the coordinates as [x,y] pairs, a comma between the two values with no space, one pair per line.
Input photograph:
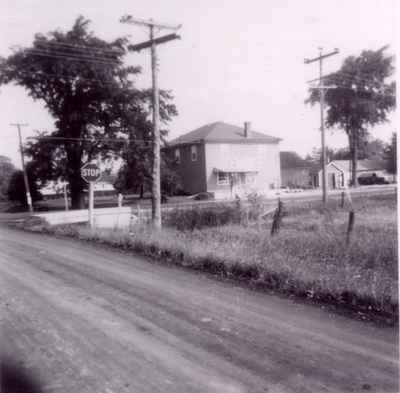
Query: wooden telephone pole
[322,89]
[21,148]
[152,43]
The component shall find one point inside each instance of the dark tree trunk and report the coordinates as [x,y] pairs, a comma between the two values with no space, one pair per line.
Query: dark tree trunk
[141,191]
[76,186]
[77,200]
[76,183]
[354,157]
[353,141]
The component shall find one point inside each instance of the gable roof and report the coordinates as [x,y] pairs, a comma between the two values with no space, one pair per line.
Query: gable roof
[220,132]
[362,165]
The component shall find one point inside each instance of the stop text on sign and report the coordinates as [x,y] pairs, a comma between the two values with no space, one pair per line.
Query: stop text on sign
[90,172]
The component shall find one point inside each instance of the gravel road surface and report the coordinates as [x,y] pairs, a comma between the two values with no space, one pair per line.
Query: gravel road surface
[81,318]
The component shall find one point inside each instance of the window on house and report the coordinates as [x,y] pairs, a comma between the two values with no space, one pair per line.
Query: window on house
[177,156]
[222,179]
[193,152]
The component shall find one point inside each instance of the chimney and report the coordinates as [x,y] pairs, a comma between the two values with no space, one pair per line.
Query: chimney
[247,126]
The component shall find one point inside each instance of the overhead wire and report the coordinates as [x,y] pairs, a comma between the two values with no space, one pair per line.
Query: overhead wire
[81,47]
[125,142]
[350,82]
[115,78]
[72,139]
[346,75]
[66,56]
[72,52]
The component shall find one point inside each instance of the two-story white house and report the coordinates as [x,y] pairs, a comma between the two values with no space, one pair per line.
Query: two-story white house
[227,160]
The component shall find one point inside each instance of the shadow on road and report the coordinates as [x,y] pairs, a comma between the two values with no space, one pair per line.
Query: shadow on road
[15,379]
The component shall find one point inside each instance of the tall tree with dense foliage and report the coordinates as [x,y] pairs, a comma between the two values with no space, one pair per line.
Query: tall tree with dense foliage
[7,169]
[82,81]
[361,96]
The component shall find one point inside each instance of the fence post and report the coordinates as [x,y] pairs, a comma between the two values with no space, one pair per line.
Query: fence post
[277,219]
[342,201]
[65,196]
[350,225]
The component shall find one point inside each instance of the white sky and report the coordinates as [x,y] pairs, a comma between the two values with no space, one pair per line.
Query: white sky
[237,60]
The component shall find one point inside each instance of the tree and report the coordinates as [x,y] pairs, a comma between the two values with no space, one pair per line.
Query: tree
[369,149]
[83,83]
[171,182]
[16,188]
[361,97]
[316,156]
[372,149]
[290,159]
[391,154]
[135,174]
[7,169]
[342,153]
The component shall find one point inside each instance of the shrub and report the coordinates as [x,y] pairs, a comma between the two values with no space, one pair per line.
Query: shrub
[200,217]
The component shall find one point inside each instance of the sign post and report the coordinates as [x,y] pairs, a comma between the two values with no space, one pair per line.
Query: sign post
[91,203]
[91,173]
[65,196]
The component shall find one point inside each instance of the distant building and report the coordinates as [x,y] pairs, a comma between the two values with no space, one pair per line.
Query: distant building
[226,160]
[339,172]
[295,171]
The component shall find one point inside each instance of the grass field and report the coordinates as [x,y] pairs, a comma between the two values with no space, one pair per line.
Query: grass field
[309,257]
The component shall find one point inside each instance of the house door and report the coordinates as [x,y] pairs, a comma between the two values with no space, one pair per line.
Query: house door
[341,180]
[332,181]
[315,181]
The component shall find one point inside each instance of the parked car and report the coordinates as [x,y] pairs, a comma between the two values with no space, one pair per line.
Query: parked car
[204,196]
[372,179]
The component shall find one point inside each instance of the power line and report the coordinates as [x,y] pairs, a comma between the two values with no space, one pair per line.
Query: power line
[65,56]
[127,142]
[80,53]
[74,77]
[347,76]
[78,47]
[363,91]
[71,139]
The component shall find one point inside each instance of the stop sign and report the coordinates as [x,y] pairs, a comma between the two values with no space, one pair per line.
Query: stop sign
[90,172]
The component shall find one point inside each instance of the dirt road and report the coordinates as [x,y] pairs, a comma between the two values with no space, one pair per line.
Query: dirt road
[81,318]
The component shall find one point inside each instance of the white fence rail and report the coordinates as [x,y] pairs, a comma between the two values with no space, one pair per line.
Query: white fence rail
[114,217]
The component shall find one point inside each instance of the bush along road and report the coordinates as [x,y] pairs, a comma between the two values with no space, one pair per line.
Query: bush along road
[81,318]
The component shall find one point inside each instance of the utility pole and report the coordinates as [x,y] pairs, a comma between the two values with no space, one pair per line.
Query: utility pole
[21,148]
[152,43]
[322,89]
